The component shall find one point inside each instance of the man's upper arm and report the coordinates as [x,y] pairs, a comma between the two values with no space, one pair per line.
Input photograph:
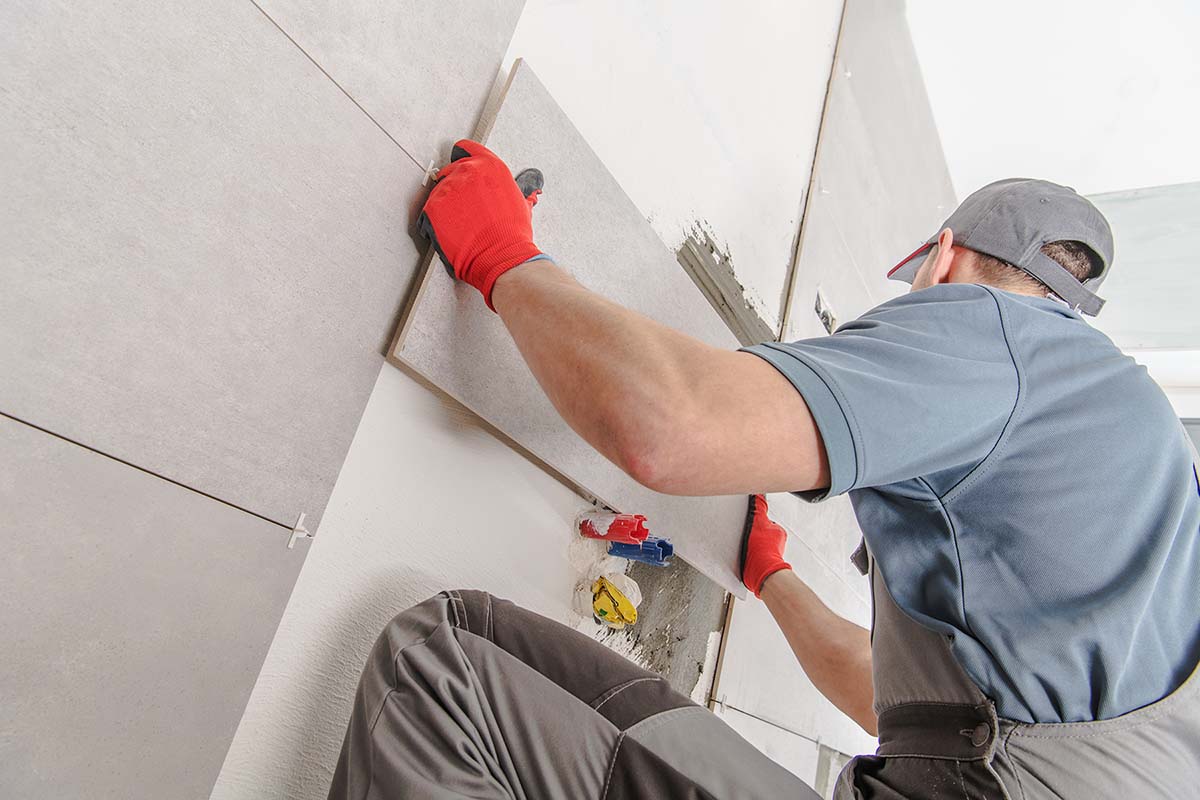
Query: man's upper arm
[923,384]
[744,430]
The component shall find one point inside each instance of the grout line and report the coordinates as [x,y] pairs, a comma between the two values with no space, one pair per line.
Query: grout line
[152,473]
[341,88]
[794,267]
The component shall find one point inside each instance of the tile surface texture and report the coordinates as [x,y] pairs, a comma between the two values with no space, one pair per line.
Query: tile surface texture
[422,70]
[882,186]
[135,617]
[205,245]
[592,229]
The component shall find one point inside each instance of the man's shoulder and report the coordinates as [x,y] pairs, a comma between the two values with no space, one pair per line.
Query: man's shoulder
[965,312]
[976,310]
[967,297]
[948,301]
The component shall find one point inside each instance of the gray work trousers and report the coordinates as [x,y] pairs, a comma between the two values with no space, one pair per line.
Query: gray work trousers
[466,695]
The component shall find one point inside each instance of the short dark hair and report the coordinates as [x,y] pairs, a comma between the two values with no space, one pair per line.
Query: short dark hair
[1075,257]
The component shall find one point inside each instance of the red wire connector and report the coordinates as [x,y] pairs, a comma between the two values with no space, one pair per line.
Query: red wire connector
[627,528]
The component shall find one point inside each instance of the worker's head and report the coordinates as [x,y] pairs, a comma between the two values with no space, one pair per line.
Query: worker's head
[1025,236]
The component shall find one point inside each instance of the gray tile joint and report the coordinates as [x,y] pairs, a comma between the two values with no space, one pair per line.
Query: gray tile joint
[152,473]
[427,170]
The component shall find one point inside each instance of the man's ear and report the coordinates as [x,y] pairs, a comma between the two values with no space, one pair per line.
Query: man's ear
[942,268]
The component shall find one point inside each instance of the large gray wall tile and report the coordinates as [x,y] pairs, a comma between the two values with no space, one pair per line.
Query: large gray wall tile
[882,186]
[135,615]
[203,245]
[422,69]
[455,342]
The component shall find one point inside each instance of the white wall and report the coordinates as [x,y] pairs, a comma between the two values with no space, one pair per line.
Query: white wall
[425,501]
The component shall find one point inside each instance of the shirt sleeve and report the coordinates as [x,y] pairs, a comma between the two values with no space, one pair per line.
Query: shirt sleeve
[922,384]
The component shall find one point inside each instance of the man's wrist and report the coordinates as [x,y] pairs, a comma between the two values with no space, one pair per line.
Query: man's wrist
[509,283]
[762,587]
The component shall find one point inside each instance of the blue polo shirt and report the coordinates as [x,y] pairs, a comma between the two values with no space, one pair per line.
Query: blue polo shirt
[1026,489]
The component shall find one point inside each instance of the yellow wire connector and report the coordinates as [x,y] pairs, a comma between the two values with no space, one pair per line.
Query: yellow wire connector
[611,606]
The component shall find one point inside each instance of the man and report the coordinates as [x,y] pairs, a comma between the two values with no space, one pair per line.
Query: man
[1029,506]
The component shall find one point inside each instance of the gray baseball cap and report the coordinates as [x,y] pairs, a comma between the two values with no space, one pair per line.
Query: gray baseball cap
[1011,220]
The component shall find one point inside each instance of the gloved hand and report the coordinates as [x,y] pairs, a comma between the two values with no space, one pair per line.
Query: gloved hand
[762,546]
[477,217]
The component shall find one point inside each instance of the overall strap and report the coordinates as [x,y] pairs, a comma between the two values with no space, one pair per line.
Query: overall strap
[926,703]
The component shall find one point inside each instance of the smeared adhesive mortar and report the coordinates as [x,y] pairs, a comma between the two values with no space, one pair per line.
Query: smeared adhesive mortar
[678,631]
[680,610]
[711,267]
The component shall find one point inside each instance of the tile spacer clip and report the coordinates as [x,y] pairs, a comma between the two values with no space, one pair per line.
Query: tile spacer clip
[430,173]
[299,532]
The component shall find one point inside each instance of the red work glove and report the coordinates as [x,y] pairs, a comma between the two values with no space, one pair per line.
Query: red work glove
[762,546]
[478,218]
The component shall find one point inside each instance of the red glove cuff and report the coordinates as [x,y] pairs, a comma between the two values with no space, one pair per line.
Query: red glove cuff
[502,256]
[759,580]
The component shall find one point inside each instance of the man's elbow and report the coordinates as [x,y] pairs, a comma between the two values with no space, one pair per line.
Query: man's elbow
[645,464]
[655,459]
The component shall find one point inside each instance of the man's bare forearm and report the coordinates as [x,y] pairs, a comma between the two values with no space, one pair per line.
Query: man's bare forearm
[834,652]
[591,355]
[677,414]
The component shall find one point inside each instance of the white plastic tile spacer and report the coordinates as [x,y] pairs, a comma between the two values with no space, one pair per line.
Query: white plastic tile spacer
[299,532]
[430,173]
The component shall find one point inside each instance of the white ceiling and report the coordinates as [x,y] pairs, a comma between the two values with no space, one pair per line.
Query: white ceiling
[1101,95]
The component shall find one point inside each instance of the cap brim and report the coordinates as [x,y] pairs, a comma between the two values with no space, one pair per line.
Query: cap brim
[906,270]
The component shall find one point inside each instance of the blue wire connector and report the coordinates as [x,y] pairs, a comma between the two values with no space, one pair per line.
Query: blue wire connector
[654,551]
